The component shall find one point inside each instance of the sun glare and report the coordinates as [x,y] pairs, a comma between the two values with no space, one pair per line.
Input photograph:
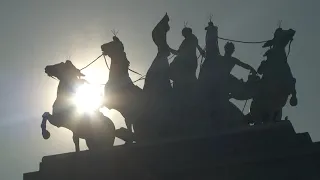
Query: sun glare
[88,98]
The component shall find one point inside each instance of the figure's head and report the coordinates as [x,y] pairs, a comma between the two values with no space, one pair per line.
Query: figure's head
[113,48]
[63,70]
[210,25]
[229,48]
[186,32]
[281,38]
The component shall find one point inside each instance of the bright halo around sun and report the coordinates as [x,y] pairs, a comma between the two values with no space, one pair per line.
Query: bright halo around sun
[88,98]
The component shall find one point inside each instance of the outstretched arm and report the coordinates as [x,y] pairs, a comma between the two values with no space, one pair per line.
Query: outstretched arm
[244,65]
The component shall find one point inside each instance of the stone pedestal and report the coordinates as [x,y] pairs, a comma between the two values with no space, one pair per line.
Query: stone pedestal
[261,152]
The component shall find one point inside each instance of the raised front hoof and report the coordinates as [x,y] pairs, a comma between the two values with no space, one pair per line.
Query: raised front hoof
[45,115]
[293,101]
[45,134]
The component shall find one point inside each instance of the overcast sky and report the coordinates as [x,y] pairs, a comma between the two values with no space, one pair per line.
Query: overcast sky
[35,33]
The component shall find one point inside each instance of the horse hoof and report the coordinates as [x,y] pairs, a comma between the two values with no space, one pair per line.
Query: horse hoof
[293,101]
[45,115]
[45,134]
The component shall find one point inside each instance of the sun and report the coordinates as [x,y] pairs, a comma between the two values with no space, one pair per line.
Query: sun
[88,98]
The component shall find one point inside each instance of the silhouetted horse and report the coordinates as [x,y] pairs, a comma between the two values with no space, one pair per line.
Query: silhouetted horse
[270,93]
[148,110]
[138,107]
[120,92]
[95,128]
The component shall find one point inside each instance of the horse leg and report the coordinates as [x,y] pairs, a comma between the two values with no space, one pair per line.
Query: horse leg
[129,135]
[256,114]
[267,117]
[277,116]
[129,125]
[45,132]
[248,118]
[76,142]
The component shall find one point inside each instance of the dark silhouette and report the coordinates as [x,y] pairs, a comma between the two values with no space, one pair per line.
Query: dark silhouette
[271,91]
[205,86]
[159,35]
[277,81]
[188,130]
[224,113]
[157,89]
[273,151]
[162,110]
[226,82]
[212,47]
[158,77]
[147,110]
[215,84]
[122,95]
[96,129]
[120,91]
[211,54]
[183,67]
[183,73]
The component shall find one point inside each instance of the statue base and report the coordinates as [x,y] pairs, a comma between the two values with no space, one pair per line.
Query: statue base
[272,151]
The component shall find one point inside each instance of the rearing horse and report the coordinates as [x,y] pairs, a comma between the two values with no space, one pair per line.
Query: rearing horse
[147,110]
[270,92]
[120,92]
[96,129]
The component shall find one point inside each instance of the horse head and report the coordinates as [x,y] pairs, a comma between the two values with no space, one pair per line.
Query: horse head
[63,70]
[53,70]
[114,48]
[281,38]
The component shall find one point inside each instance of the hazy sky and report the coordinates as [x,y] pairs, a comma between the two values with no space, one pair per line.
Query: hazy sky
[35,33]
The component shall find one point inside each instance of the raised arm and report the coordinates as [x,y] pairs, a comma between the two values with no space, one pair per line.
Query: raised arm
[244,65]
